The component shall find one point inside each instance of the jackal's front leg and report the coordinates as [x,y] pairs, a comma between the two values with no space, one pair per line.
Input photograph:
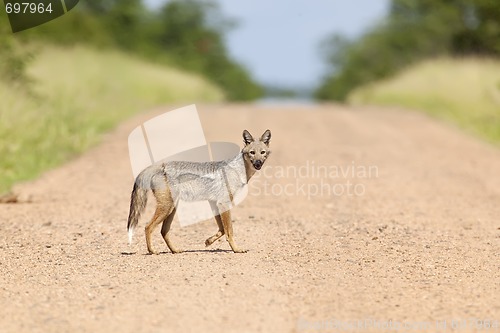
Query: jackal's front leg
[228,229]
[218,219]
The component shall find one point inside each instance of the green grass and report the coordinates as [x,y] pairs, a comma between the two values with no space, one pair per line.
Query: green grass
[465,92]
[78,94]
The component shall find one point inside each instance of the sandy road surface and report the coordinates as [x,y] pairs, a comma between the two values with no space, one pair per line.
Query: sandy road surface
[416,240]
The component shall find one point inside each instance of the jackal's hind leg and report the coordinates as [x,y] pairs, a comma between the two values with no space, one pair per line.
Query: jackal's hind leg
[164,206]
[165,231]
[160,214]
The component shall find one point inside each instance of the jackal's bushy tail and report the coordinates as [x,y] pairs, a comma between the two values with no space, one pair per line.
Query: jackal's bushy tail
[144,182]
[138,201]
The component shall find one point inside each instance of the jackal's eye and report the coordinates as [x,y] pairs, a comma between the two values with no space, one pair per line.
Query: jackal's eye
[263,152]
[252,152]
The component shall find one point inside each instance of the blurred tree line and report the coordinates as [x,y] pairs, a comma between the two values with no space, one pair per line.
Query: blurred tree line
[413,30]
[13,57]
[185,33]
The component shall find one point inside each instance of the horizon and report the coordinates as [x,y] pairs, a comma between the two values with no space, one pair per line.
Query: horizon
[287,55]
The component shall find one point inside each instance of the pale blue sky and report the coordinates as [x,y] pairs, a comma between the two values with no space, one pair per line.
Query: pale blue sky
[278,40]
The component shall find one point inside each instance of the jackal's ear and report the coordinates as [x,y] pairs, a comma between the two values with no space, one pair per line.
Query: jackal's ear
[266,137]
[247,137]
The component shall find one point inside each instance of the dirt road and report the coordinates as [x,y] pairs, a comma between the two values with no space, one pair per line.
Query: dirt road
[362,218]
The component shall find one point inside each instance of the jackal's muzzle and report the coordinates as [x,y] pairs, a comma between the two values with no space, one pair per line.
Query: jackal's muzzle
[257,164]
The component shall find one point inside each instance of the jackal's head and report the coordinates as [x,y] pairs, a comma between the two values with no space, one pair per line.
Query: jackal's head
[256,152]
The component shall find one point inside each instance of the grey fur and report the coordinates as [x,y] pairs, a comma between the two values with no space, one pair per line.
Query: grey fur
[217,182]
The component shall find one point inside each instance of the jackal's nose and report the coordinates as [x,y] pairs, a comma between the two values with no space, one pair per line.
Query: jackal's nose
[257,164]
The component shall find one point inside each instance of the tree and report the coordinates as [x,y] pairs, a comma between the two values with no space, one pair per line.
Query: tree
[192,33]
[412,31]
[185,33]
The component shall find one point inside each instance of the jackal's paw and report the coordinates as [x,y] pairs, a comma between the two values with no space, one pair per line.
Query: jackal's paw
[153,252]
[240,251]
[176,251]
[209,241]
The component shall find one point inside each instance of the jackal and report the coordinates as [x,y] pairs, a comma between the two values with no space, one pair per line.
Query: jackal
[218,182]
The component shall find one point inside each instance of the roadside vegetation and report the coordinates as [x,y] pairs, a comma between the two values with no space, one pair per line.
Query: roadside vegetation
[186,34]
[438,56]
[76,94]
[465,92]
[413,31]
[65,83]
